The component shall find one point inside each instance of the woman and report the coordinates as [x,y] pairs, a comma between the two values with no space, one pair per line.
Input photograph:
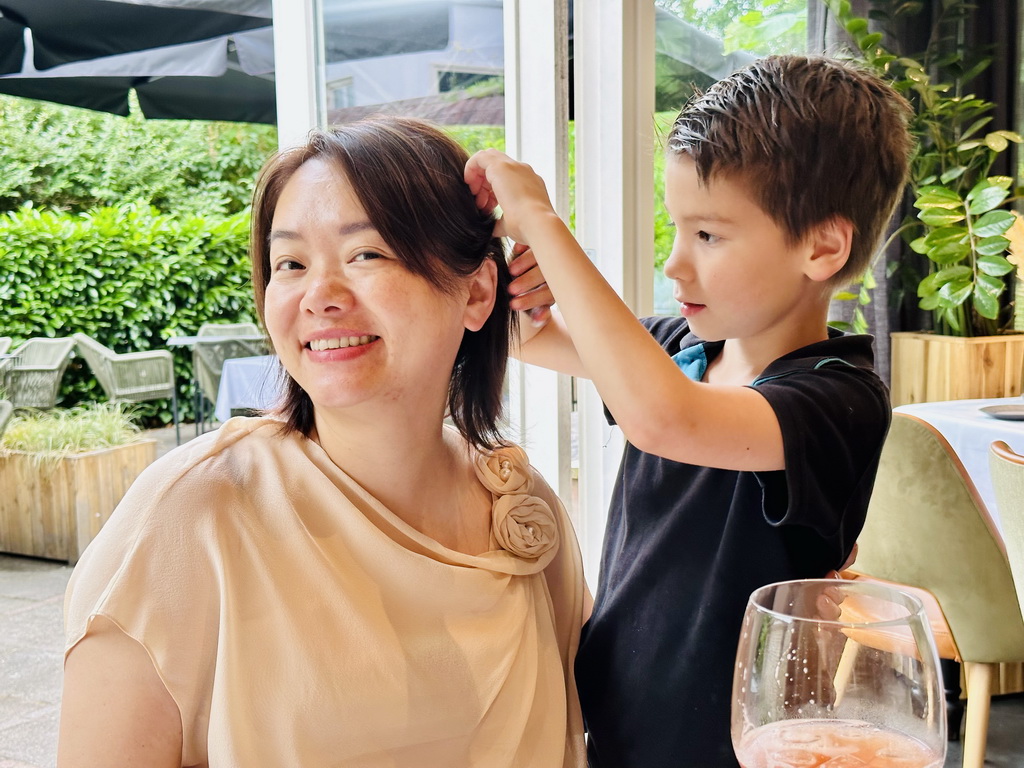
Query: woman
[348,582]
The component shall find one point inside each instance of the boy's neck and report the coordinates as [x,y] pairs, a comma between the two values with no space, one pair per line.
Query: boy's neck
[741,361]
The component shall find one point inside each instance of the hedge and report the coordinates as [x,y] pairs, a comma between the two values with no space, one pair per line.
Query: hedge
[129,276]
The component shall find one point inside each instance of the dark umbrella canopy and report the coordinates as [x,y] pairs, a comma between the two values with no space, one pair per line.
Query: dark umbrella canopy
[189,59]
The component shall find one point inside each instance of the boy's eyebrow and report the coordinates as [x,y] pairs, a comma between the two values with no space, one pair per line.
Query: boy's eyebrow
[348,229]
[711,218]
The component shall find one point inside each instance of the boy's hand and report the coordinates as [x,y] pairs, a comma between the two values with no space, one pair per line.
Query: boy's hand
[498,180]
[529,291]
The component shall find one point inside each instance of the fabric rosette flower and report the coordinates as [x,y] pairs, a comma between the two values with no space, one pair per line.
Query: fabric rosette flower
[524,525]
[506,470]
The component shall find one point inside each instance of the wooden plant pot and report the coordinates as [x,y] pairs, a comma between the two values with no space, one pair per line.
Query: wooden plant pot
[54,509]
[927,367]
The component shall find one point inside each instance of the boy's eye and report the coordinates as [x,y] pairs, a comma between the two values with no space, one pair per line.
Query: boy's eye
[707,237]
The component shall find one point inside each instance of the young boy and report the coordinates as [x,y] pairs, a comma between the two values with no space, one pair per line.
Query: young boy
[753,443]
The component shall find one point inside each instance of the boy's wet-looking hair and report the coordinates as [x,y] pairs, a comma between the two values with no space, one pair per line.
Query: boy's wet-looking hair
[811,138]
[408,177]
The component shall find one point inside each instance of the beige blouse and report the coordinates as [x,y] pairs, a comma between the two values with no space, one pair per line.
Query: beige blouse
[297,622]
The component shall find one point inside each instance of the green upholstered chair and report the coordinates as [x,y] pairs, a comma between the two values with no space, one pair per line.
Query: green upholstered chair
[33,381]
[1008,483]
[927,528]
[131,377]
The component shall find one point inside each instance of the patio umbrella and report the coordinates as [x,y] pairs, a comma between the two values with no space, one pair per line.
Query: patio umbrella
[189,59]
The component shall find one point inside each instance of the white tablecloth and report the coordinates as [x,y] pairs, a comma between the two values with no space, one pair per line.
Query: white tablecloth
[248,382]
[970,433]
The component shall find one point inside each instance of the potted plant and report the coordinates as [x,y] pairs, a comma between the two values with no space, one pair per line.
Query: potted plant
[62,472]
[960,225]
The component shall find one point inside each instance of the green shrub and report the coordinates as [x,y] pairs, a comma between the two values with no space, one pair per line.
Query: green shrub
[129,276]
[75,159]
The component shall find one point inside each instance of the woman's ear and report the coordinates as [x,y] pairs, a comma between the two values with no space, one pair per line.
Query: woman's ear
[483,287]
[830,243]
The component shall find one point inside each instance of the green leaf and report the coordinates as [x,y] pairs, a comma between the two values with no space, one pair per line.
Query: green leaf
[993,223]
[845,296]
[869,41]
[1013,136]
[995,265]
[856,26]
[986,199]
[949,253]
[991,246]
[946,236]
[986,304]
[953,173]
[917,246]
[955,293]
[938,193]
[995,142]
[950,274]
[938,217]
[929,302]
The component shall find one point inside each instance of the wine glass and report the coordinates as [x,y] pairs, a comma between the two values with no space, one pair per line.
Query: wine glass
[833,673]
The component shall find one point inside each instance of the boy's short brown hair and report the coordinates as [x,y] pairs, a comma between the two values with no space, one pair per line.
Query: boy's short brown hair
[812,138]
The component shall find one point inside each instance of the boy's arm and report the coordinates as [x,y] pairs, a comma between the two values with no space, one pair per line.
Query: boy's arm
[658,408]
[543,338]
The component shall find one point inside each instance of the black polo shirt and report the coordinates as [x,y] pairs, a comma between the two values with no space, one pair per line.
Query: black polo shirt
[686,545]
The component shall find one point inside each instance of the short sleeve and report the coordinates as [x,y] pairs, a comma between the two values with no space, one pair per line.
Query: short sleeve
[834,417]
[150,572]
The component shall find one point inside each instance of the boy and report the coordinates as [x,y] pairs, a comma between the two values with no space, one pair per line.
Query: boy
[752,444]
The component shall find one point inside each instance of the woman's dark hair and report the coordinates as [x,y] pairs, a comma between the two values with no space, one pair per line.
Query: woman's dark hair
[408,176]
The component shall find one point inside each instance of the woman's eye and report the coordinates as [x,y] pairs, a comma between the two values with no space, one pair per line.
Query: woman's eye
[707,237]
[285,265]
[367,256]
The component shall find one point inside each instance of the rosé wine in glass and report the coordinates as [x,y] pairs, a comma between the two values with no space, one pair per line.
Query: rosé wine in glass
[837,674]
[832,744]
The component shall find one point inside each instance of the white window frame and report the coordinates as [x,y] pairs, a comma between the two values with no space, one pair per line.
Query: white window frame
[614,71]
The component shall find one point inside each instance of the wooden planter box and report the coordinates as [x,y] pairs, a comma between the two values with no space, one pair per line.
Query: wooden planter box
[53,510]
[927,367]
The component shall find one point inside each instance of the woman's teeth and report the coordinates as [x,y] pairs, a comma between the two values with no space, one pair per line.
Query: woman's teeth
[318,345]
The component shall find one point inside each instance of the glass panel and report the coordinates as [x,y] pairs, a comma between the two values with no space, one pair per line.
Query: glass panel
[697,43]
[441,61]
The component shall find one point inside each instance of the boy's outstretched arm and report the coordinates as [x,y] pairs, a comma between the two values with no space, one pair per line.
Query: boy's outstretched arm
[658,408]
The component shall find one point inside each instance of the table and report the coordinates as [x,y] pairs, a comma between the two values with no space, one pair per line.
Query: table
[191,342]
[970,433]
[248,383]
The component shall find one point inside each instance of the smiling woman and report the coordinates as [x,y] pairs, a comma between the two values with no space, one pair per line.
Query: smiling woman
[348,581]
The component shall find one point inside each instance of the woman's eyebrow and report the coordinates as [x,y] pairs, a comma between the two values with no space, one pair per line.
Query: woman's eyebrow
[347,229]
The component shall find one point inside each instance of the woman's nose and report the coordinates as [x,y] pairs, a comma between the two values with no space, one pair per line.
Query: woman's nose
[327,292]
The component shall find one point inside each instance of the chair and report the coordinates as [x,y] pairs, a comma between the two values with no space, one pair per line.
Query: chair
[131,377]
[927,528]
[1008,483]
[6,411]
[5,344]
[208,359]
[33,381]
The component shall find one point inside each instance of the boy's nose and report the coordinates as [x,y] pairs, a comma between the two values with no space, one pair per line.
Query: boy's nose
[677,266]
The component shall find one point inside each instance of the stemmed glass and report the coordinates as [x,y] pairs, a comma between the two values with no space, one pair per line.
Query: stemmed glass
[837,674]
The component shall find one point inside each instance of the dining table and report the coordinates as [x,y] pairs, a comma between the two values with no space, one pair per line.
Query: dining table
[248,384]
[970,427]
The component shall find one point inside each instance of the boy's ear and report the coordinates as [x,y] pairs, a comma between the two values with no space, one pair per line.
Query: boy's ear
[829,243]
[483,288]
